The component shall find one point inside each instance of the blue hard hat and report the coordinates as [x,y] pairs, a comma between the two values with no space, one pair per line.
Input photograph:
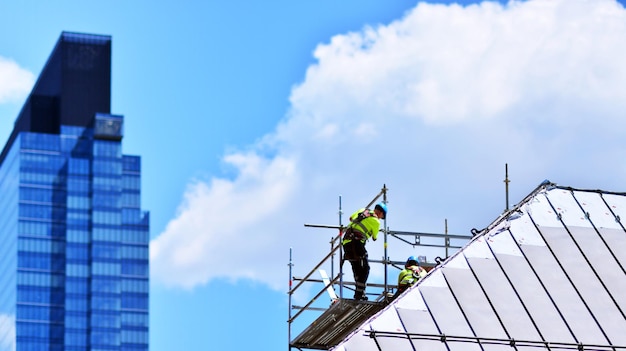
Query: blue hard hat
[381,206]
[411,259]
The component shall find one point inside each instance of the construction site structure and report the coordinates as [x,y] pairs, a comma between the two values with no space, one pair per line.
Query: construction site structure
[341,316]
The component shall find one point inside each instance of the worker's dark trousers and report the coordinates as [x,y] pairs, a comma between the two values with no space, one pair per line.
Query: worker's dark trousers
[357,255]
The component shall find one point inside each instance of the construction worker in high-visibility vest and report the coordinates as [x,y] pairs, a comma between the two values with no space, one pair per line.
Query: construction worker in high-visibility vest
[364,224]
[410,275]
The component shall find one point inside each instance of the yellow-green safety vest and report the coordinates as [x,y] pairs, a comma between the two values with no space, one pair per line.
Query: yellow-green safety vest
[368,226]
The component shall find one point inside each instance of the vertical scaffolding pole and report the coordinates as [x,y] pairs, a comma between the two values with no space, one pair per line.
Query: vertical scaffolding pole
[290,306]
[506,185]
[385,230]
[447,239]
[340,252]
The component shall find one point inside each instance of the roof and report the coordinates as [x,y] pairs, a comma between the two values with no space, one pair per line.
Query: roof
[547,275]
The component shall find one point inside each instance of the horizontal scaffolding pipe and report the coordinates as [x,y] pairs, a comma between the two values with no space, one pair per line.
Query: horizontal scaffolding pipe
[374,285]
[431,245]
[309,308]
[435,235]
[500,341]
[323,226]
[338,227]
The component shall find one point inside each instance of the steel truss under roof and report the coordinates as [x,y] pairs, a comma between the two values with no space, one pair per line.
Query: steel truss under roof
[547,275]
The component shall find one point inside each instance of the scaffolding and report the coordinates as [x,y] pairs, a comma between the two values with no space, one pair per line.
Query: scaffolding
[344,315]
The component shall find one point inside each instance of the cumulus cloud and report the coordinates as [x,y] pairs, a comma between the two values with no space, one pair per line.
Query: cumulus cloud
[431,105]
[15,82]
[222,222]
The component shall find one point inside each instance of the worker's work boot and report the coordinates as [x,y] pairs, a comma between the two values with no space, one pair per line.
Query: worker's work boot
[359,296]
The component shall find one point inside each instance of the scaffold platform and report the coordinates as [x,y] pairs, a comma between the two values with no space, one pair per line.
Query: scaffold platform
[337,322]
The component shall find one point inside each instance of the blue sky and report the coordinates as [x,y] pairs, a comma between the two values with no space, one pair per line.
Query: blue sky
[253,118]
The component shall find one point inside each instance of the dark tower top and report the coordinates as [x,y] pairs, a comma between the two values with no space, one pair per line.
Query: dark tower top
[73,86]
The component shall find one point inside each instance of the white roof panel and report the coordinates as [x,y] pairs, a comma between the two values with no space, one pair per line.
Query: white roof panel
[502,297]
[565,205]
[503,244]
[473,302]
[599,212]
[617,206]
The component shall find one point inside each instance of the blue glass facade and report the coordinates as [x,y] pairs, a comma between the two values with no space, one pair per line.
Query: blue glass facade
[74,240]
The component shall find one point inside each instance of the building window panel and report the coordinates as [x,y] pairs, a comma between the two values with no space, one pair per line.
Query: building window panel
[139,252]
[78,236]
[135,319]
[106,250]
[36,211]
[38,228]
[77,251]
[77,303]
[131,163]
[40,261]
[131,182]
[79,202]
[105,303]
[106,200]
[106,320]
[40,295]
[76,320]
[102,183]
[40,245]
[135,301]
[77,270]
[130,199]
[134,336]
[113,167]
[102,148]
[43,279]
[106,285]
[107,217]
[40,313]
[76,285]
[136,268]
[106,268]
[105,337]
[40,141]
[78,166]
[135,285]
[76,338]
[106,234]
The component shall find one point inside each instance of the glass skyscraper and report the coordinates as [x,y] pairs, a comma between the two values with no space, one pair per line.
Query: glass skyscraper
[73,237]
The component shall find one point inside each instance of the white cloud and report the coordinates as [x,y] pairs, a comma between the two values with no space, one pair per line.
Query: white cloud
[15,82]
[432,105]
[220,226]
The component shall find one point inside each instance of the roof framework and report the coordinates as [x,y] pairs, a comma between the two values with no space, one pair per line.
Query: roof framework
[548,274]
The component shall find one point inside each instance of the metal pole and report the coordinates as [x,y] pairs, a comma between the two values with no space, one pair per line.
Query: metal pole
[447,243]
[506,185]
[385,229]
[340,252]
[290,283]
